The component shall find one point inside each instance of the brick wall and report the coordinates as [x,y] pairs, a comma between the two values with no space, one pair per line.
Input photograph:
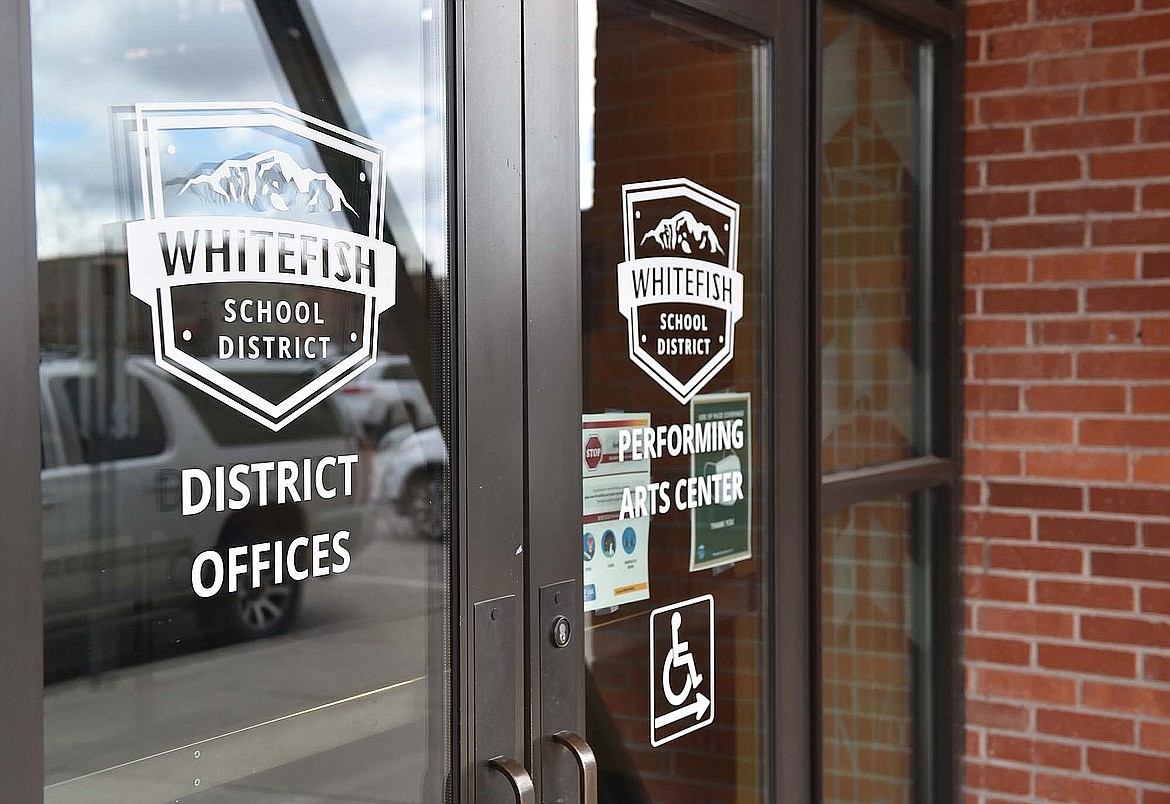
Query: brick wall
[1067,543]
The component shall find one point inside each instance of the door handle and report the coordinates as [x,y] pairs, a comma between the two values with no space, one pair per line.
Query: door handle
[586,763]
[517,776]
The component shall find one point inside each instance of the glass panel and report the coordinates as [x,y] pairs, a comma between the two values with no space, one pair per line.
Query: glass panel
[871,358]
[675,289]
[242,243]
[867,653]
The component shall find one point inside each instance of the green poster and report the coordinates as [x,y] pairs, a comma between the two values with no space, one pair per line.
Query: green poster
[721,526]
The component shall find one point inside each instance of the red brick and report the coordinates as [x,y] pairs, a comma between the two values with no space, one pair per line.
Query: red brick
[1036,495]
[1155,128]
[1136,566]
[1137,163]
[1091,266]
[1117,698]
[1137,231]
[1085,331]
[997,777]
[1029,300]
[1156,535]
[996,715]
[1033,170]
[987,586]
[1130,298]
[1001,14]
[1033,687]
[1130,501]
[1156,265]
[1156,668]
[1063,9]
[1156,737]
[991,206]
[1090,661]
[1086,68]
[1034,752]
[1148,364]
[1156,331]
[983,396]
[987,141]
[1030,622]
[1151,469]
[995,269]
[1084,595]
[997,651]
[1131,30]
[1025,42]
[1082,530]
[1091,727]
[1099,398]
[1029,106]
[996,76]
[1084,134]
[1080,790]
[1154,196]
[1151,399]
[1157,60]
[1018,236]
[1085,199]
[978,333]
[1023,365]
[1078,465]
[1156,600]
[987,462]
[997,430]
[1140,96]
[1126,631]
[1129,764]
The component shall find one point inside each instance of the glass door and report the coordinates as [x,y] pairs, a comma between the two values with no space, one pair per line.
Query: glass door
[244,262]
[394,448]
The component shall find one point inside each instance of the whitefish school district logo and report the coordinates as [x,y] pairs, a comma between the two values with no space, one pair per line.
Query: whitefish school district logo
[678,288]
[259,245]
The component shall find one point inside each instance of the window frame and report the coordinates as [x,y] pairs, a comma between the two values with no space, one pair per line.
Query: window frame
[935,477]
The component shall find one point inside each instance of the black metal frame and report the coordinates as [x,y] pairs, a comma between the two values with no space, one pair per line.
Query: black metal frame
[937,474]
[22,724]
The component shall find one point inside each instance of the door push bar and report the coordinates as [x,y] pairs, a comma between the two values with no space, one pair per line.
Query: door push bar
[517,776]
[586,763]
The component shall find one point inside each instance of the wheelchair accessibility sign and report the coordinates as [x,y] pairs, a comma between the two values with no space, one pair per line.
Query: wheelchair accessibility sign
[682,669]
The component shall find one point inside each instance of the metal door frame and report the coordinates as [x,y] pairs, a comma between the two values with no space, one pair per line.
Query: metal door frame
[21,727]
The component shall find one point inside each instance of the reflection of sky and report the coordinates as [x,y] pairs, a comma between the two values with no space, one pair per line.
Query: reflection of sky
[122,52]
[587,83]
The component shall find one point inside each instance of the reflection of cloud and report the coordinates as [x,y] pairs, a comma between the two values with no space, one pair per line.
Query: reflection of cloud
[120,53]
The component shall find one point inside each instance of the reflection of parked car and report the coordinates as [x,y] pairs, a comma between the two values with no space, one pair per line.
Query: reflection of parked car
[374,395]
[116,543]
[408,473]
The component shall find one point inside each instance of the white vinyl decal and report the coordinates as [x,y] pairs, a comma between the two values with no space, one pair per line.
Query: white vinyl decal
[260,240]
[679,288]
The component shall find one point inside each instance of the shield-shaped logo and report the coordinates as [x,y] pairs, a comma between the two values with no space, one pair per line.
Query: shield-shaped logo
[260,240]
[679,288]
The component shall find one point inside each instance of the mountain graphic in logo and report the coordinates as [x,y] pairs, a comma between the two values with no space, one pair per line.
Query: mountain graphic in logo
[686,233]
[267,181]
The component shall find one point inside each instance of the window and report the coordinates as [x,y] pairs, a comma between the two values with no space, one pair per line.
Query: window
[888,478]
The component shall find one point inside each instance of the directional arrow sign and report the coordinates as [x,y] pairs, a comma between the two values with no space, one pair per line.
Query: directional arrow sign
[697,708]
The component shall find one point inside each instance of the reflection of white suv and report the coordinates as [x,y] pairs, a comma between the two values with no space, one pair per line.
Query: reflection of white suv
[113,448]
[376,395]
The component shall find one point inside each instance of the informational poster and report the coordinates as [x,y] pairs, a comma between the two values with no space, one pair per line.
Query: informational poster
[721,533]
[616,550]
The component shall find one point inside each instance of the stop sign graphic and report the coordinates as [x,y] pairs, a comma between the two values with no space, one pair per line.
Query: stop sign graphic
[593,452]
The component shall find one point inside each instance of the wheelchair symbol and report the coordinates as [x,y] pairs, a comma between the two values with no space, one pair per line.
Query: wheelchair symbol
[679,655]
[682,672]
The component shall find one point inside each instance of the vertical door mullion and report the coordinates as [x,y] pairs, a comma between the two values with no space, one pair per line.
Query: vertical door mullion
[552,285]
[21,758]
[488,494]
